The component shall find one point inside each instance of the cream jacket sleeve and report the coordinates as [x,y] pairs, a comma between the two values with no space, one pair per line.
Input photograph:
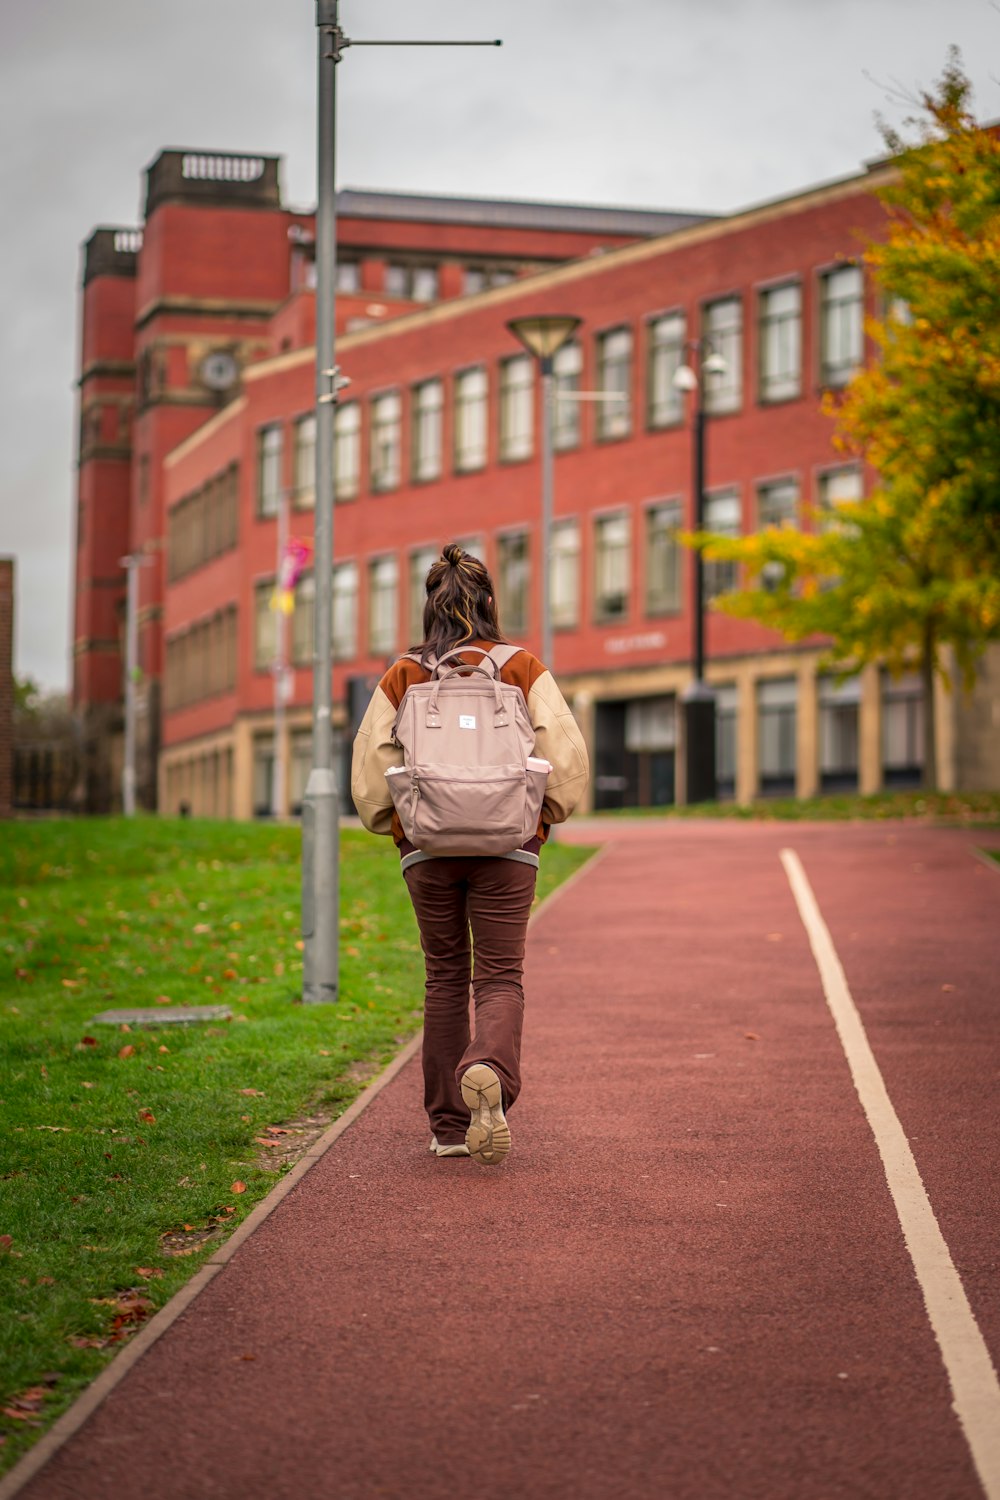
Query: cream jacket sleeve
[559,741]
[374,753]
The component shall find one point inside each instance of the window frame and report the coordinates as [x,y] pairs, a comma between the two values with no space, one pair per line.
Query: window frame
[356,435]
[264,432]
[516,625]
[655,347]
[764,323]
[474,463]
[383,482]
[418,414]
[826,373]
[510,396]
[375,643]
[714,386]
[651,609]
[303,496]
[605,430]
[560,526]
[602,615]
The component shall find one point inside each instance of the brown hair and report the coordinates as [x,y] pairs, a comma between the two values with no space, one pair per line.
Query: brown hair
[460,604]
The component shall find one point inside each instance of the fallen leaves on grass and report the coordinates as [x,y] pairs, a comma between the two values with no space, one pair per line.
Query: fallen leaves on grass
[127,1050]
[6,1240]
[146,1116]
[129,1309]
[253,1093]
[148,1272]
[88,1041]
[27,1406]
[237,1187]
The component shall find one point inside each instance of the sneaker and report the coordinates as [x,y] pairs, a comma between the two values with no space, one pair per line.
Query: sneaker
[488,1135]
[456,1149]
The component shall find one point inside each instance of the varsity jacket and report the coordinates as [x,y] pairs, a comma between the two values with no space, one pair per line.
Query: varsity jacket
[557,739]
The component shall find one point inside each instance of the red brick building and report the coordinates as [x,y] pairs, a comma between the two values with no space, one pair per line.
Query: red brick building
[176,312]
[437,439]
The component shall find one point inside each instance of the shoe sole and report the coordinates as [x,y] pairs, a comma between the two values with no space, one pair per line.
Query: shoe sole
[488,1135]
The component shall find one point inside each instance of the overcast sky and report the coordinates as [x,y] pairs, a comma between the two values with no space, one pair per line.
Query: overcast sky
[691,104]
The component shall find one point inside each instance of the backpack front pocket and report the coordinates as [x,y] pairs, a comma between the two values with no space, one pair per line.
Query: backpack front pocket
[468,809]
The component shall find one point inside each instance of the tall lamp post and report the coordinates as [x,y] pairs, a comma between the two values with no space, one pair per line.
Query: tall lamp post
[320,809]
[544,337]
[698,699]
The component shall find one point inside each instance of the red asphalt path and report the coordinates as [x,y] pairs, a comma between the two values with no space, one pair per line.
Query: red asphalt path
[688,1281]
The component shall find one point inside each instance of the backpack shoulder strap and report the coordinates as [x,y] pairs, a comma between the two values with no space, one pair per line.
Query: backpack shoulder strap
[502,655]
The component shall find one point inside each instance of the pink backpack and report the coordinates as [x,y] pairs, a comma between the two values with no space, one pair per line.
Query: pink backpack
[469,783]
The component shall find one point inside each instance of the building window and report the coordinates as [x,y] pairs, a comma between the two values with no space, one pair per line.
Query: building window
[345,611]
[264,635]
[902,730]
[663,559]
[726,699]
[781,343]
[424,284]
[776,700]
[841,325]
[305,462]
[612,567]
[471,393]
[263,774]
[421,563]
[415,283]
[777,503]
[428,404]
[566,368]
[473,280]
[721,515]
[838,487]
[304,621]
[385,439]
[564,575]
[383,579]
[300,765]
[268,471]
[513,580]
[838,733]
[666,355]
[347,451]
[517,407]
[348,275]
[722,327]
[614,381]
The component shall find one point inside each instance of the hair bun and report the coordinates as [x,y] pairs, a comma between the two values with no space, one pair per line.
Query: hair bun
[453,554]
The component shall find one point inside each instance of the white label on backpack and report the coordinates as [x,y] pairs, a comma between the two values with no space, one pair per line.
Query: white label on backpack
[466,721]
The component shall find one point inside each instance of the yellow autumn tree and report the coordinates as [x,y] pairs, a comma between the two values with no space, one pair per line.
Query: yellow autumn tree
[909,576]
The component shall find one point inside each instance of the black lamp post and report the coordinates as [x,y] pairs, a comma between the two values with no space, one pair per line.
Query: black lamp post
[698,699]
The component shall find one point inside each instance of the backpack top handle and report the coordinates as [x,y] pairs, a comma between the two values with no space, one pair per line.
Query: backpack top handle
[465,669]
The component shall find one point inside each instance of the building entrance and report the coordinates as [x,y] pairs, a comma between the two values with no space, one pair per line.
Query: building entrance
[635,753]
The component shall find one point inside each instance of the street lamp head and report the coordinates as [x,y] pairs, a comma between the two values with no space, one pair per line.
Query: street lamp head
[715,365]
[544,336]
[685,379]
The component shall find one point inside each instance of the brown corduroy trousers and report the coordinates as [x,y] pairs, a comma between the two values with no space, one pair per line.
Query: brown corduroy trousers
[473,918]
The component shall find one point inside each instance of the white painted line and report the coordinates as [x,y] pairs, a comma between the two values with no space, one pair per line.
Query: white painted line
[973,1379]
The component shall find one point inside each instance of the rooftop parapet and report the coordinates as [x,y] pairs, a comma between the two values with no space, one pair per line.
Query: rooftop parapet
[111,252]
[217,177]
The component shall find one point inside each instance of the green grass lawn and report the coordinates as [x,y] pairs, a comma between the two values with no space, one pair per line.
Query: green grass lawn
[941,807]
[127,1156]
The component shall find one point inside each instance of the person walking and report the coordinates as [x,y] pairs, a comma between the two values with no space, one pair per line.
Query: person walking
[472,910]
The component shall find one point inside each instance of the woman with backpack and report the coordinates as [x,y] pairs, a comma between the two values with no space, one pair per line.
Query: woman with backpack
[471,907]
